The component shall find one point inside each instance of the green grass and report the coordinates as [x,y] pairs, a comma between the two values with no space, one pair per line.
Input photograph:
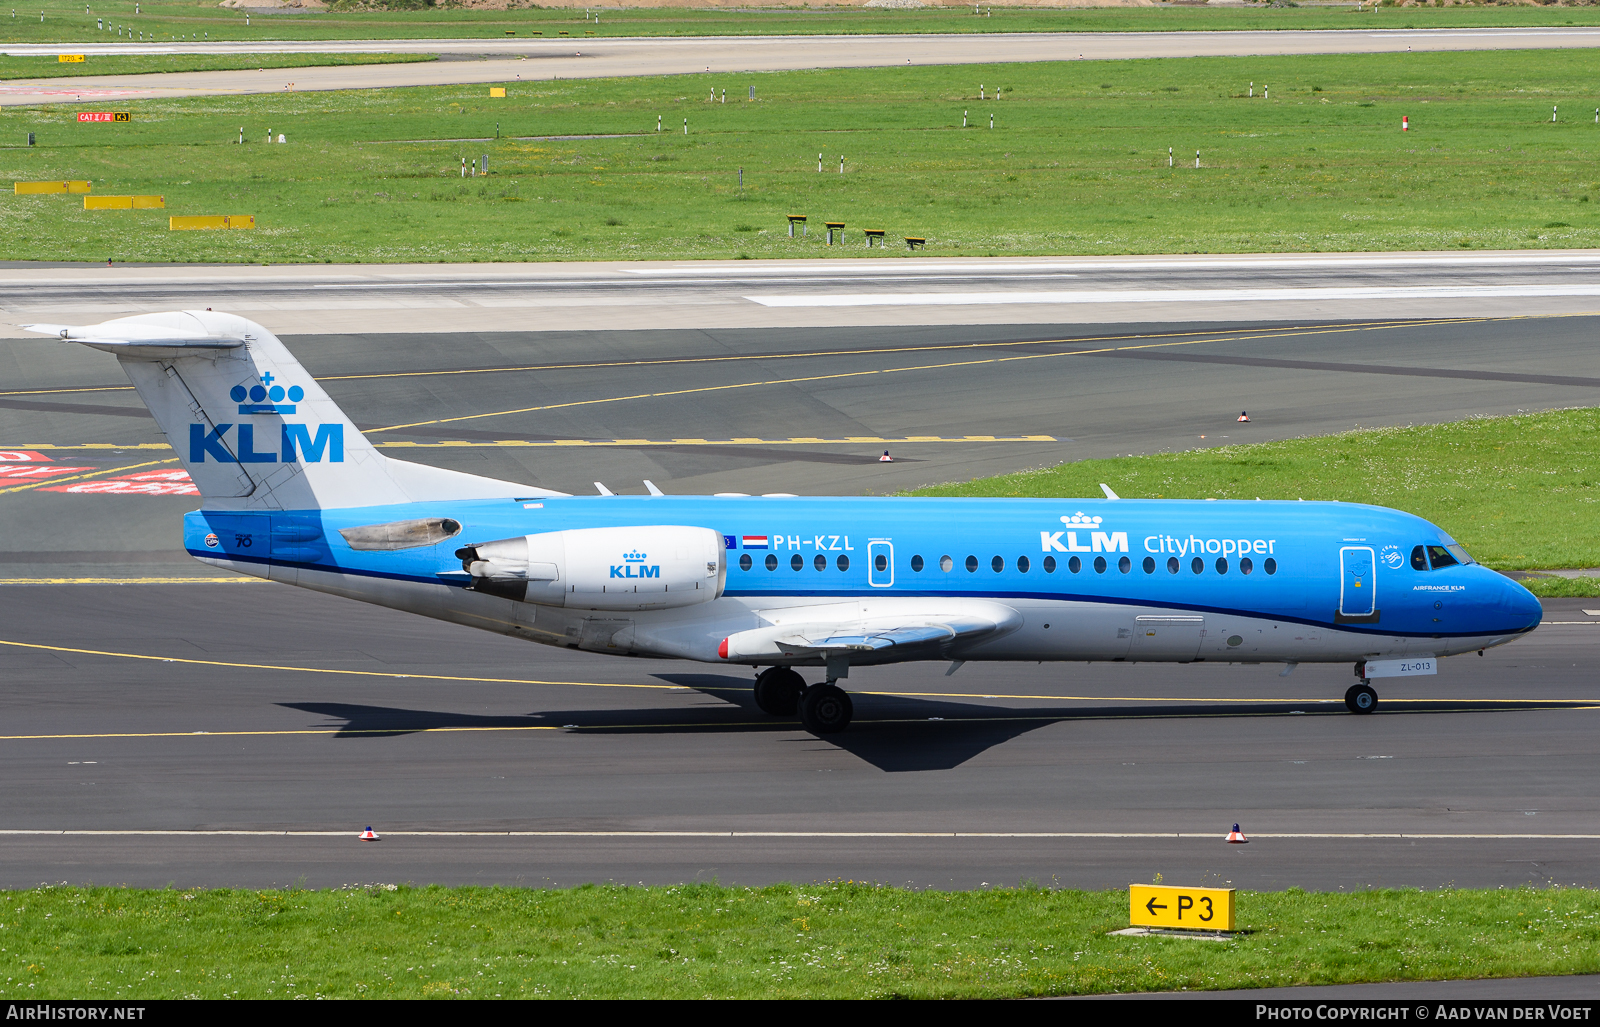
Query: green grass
[840,940]
[1519,492]
[49,67]
[1563,588]
[171,19]
[1077,163]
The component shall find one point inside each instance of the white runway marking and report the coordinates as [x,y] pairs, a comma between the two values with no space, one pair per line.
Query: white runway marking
[931,299]
[1207,836]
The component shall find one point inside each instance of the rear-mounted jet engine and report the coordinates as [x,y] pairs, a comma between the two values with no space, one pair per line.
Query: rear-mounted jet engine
[633,568]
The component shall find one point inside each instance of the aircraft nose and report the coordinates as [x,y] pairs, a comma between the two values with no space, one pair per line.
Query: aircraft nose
[1522,606]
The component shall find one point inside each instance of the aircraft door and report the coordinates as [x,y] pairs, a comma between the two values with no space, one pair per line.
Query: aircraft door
[1358,592]
[1166,638]
[880,563]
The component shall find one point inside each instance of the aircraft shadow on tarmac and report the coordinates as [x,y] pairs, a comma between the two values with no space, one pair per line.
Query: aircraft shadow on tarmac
[893,733]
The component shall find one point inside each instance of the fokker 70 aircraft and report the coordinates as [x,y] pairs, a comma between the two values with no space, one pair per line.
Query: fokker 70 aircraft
[291,491]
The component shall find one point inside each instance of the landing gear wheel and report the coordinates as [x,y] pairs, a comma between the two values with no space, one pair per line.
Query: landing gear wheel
[1361,699]
[778,691]
[825,709]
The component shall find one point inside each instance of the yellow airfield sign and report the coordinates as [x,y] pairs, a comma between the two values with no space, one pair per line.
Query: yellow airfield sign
[1155,905]
[69,58]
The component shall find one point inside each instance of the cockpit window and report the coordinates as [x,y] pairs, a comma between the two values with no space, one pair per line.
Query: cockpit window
[1419,558]
[1439,556]
[1461,555]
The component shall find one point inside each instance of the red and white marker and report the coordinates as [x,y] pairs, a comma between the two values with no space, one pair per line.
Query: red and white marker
[1405,123]
[1243,418]
[1235,837]
[886,458]
[369,835]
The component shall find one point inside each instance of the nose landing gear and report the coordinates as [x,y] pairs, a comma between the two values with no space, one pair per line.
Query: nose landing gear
[1362,698]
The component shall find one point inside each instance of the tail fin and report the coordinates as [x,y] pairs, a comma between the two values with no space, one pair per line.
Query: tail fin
[252,428]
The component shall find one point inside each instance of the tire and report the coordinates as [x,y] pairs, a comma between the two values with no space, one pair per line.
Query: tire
[825,709]
[777,691]
[1361,699]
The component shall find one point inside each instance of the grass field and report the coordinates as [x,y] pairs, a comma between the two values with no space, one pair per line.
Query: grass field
[1519,492]
[841,940]
[1076,163]
[166,20]
[49,67]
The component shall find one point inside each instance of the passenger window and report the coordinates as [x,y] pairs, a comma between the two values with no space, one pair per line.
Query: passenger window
[1149,565]
[998,563]
[1419,558]
[797,561]
[916,564]
[1099,565]
[1124,565]
[820,563]
[1246,565]
[771,562]
[1074,565]
[1049,565]
[880,561]
[843,563]
[744,562]
[1439,556]
[972,565]
[1172,565]
[1270,566]
[1197,565]
[1022,564]
[1222,565]
[945,563]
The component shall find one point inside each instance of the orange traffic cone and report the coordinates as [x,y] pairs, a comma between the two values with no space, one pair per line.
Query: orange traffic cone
[1235,836]
[886,458]
[1244,418]
[369,835]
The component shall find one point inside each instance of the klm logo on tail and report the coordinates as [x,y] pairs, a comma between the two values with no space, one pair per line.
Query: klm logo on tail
[295,440]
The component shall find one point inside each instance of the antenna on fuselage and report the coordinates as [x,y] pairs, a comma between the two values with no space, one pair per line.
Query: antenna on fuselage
[1107,490]
[603,490]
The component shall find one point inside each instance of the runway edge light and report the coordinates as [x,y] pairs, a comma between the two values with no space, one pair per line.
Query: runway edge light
[1193,909]
[1236,836]
[369,835]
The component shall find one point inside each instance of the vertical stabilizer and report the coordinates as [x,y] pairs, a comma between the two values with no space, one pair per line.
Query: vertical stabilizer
[252,428]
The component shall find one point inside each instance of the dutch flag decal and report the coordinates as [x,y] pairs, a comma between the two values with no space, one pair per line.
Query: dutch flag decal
[755,541]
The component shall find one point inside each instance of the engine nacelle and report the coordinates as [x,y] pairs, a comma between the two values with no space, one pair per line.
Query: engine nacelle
[634,568]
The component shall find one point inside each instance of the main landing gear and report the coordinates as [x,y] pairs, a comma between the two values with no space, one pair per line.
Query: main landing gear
[823,708]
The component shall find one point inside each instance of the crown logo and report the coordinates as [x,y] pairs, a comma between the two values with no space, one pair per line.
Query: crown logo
[634,557]
[1079,520]
[267,398]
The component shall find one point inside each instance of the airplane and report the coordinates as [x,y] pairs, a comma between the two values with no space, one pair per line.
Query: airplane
[293,492]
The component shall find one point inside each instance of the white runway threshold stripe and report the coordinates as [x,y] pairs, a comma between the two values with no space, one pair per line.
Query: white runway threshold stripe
[1206,836]
[923,299]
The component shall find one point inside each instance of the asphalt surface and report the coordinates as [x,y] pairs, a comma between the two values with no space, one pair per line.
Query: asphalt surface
[596,57]
[482,759]
[880,291]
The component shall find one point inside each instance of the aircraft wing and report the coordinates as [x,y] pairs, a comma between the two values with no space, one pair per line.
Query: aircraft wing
[882,638]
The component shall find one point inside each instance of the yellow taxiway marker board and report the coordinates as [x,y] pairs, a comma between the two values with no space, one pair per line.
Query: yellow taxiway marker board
[1156,905]
[123,202]
[193,222]
[69,58]
[26,188]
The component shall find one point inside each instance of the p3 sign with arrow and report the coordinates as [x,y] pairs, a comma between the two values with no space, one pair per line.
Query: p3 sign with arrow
[1197,909]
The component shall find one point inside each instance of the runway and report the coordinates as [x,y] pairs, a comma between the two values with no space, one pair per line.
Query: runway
[484,759]
[877,291]
[508,60]
[525,765]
